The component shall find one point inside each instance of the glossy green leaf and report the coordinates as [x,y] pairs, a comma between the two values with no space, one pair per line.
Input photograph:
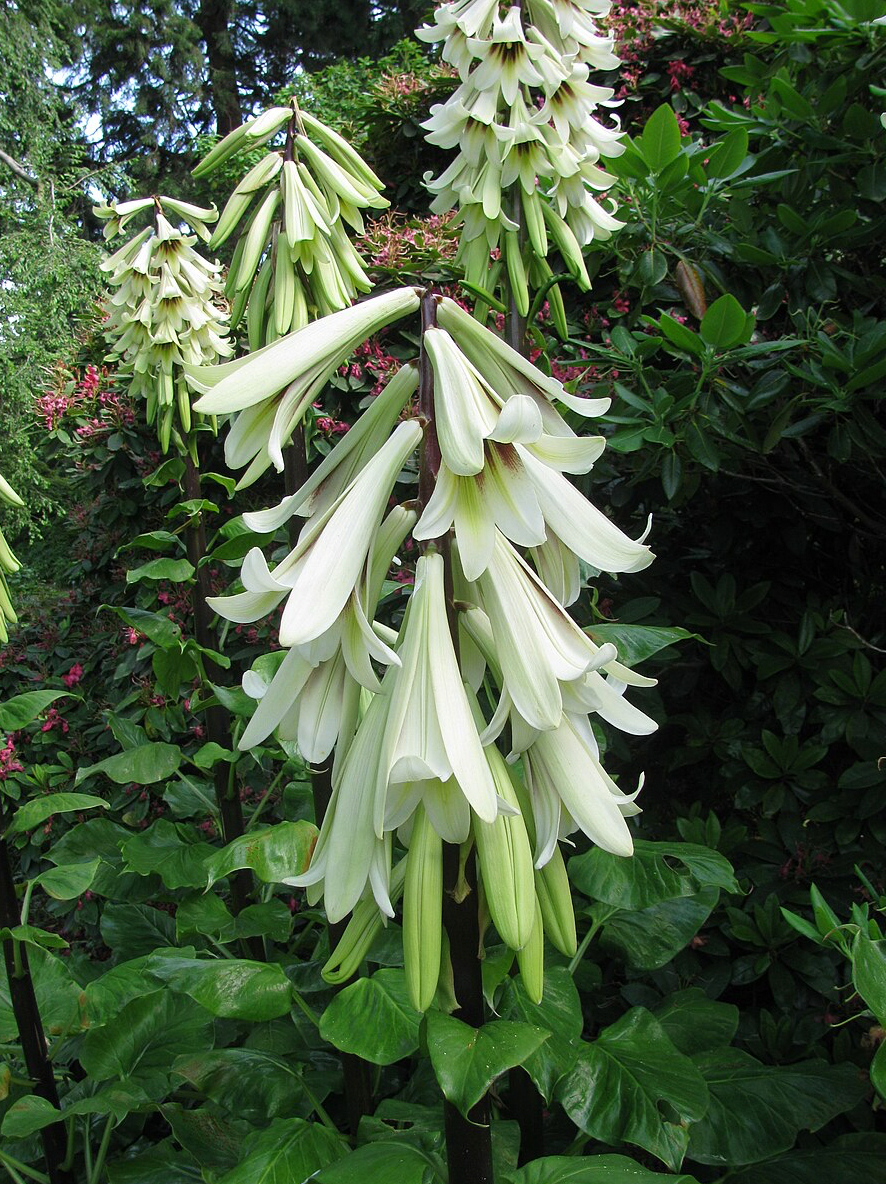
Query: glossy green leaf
[290,1150]
[58,997]
[156,627]
[249,1082]
[869,973]
[37,810]
[32,936]
[558,1013]
[620,1080]
[592,1169]
[467,1060]
[163,1164]
[757,1110]
[16,713]
[207,914]
[132,930]
[660,141]
[232,988]
[655,872]
[696,1023]
[174,570]
[172,850]
[148,1034]
[680,335]
[723,325]
[851,1159]
[274,853]
[373,1019]
[213,1138]
[728,154]
[648,939]
[636,643]
[68,881]
[145,765]
[381,1163]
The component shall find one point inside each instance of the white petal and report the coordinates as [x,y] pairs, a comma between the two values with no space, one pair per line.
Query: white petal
[520,419]
[285,688]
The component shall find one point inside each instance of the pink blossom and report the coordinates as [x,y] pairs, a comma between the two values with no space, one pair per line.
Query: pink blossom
[73,676]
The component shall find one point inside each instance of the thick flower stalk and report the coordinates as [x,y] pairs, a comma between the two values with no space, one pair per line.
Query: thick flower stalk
[166,311]
[9,565]
[526,121]
[295,209]
[485,650]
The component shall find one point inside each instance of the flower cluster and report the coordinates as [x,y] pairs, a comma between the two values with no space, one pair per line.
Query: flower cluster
[524,120]
[165,311]
[8,563]
[415,715]
[8,762]
[303,197]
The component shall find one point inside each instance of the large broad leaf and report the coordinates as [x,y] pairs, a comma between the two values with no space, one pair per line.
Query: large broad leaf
[149,1033]
[723,325]
[381,1163]
[655,872]
[649,938]
[37,810]
[869,973]
[157,627]
[696,1023]
[233,988]
[559,1013]
[131,930]
[373,1019]
[213,1138]
[592,1169]
[467,1060]
[58,997]
[163,1164]
[248,1082]
[69,881]
[757,1110]
[274,854]
[105,997]
[636,643]
[32,1113]
[16,713]
[289,1151]
[615,1091]
[660,141]
[852,1159]
[172,850]
[174,570]
[145,765]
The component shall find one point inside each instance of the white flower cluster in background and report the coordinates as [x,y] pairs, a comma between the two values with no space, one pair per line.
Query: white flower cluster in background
[167,308]
[530,128]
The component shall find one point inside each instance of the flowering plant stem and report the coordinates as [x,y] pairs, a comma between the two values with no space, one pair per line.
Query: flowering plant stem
[30,1026]
[468,1140]
[218,728]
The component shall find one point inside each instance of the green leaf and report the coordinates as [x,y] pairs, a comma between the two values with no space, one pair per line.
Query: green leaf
[32,936]
[163,1164]
[757,1110]
[148,1033]
[16,713]
[249,1082]
[37,810]
[660,141]
[145,765]
[723,325]
[560,1013]
[274,854]
[172,668]
[869,973]
[671,474]
[289,1151]
[728,154]
[649,875]
[210,754]
[68,881]
[373,1019]
[619,1081]
[206,914]
[32,1113]
[172,850]
[27,1115]
[107,995]
[647,939]
[232,988]
[174,570]
[131,930]
[215,1140]
[153,540]
[592,1169]
[636,643]
[157,627]
[380,1163]
[696,1023]
[467,1060]
[848,1160]
[58,997]
[680,335]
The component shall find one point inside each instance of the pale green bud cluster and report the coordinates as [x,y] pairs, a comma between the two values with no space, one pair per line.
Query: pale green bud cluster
[167,309]
[9,565]
[415,715]
[294,260]
[527,175]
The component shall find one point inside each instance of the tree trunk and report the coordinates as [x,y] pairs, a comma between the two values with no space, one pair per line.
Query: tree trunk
[214,23]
